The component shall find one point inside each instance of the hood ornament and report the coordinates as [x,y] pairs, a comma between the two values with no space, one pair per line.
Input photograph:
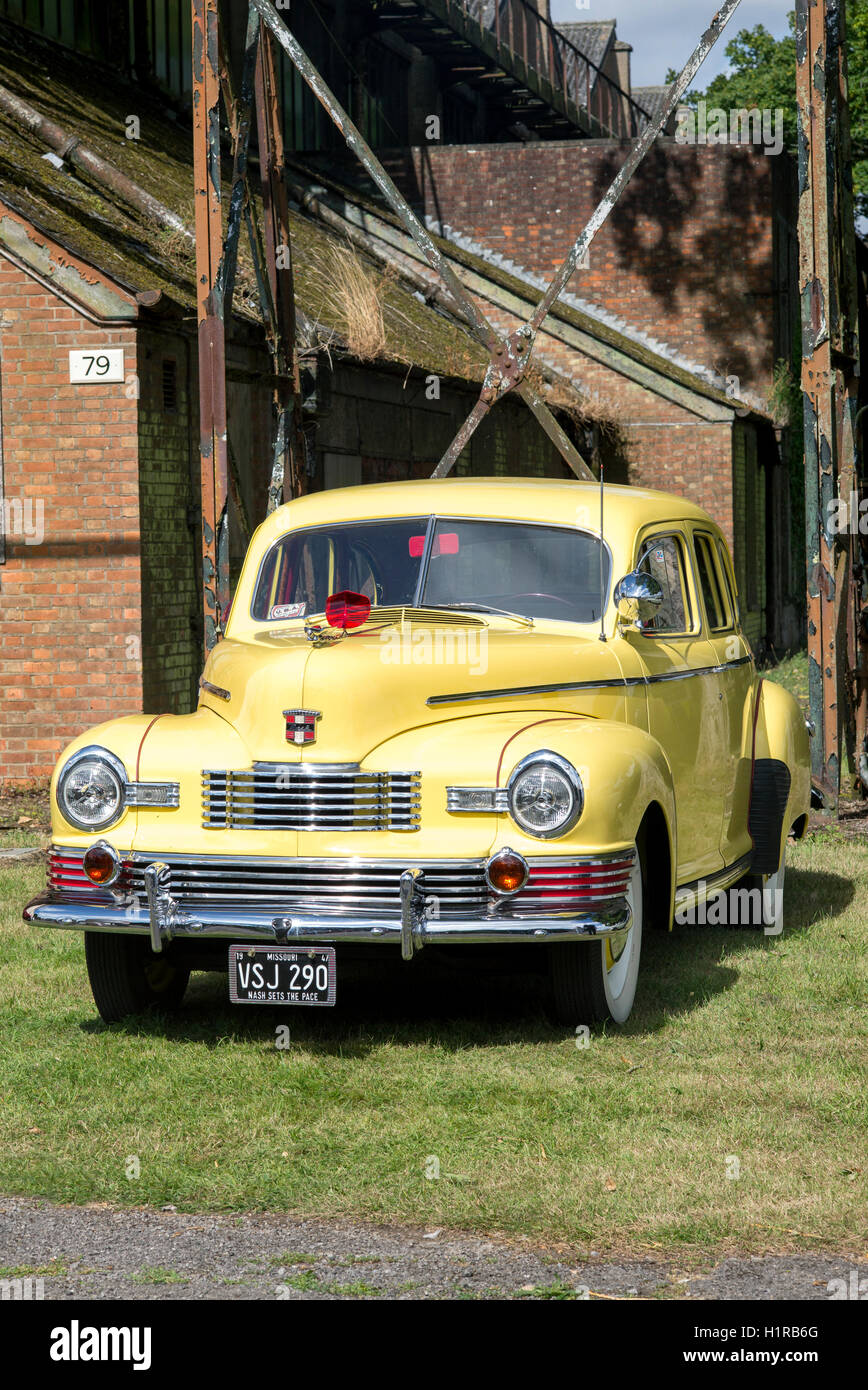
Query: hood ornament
[301,725]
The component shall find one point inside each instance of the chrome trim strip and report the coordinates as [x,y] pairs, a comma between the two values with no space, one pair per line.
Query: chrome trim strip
[137,795]
[619,682]
[214,689]
[686,894]
[497,796]
[247,925]
[412,912]
[509,693]
[345,865]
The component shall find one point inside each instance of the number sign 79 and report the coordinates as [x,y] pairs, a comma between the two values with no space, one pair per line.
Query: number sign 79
[96,364]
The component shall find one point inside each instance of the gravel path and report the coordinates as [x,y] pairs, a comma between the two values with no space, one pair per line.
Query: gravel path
[96,1252]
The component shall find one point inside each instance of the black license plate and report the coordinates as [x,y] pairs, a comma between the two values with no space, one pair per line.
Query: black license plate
[282,975]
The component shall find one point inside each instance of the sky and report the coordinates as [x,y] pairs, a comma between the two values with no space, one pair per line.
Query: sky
[664,33]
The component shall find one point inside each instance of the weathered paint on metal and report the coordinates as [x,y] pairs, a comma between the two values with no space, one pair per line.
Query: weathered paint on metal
[79,282]
[214,470]
[368,159]
[240,112]
[830,370]
[289,447]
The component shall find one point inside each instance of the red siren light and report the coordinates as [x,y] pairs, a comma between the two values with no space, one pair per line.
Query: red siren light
[346,609]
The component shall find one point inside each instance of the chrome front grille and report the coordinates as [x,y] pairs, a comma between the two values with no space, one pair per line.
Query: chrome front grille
[340,885]
[310,796]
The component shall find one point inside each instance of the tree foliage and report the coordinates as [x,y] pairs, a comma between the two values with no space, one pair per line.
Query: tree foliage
[762,73]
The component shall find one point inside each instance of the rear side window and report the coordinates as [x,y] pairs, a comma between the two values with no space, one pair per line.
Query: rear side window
[728,582]
[663,558]
[716,609]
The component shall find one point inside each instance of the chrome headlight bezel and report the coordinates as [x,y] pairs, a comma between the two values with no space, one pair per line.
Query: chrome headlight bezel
[550,759]
[93,753]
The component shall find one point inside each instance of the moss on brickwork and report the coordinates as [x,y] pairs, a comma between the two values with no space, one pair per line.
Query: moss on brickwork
[749,530]
[97,225]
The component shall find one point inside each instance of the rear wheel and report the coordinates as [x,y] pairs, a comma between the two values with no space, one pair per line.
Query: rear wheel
[127,977]
[595,982]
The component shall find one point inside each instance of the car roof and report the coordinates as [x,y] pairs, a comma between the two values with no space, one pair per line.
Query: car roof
[564,502]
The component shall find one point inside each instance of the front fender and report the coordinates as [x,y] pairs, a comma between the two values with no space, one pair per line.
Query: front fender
[623,771]
[122,737]
[167,747]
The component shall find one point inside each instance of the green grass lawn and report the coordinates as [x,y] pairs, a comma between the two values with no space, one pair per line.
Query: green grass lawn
[745,1054]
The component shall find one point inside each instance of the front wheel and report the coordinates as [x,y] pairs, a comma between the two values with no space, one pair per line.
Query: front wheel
[127,977]
[595,982]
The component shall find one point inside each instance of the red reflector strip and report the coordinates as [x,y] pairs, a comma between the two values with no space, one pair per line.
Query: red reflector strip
[571,883]
[67,874]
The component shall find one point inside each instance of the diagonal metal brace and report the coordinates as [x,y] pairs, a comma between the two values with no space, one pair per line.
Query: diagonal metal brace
[482,330]
[510,356]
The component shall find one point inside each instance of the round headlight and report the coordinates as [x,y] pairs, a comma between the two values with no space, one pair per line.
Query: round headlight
[545,795]
[91,789]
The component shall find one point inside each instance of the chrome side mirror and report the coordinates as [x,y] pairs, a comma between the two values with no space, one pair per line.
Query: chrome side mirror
[637,597]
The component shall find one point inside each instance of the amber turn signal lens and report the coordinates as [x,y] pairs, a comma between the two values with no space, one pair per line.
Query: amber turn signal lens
[506,872]
[101,864]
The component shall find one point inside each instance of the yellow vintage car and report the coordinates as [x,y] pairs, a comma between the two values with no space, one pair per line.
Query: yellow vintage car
[443,713]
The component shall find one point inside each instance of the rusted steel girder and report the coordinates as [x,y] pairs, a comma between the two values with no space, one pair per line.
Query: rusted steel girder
[509,357]
[830,370]
[289,448]
[212,333]
[240,112]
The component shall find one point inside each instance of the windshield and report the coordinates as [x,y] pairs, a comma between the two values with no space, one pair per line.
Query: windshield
[537,571]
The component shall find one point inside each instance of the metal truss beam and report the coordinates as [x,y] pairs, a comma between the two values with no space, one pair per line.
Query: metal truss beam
[510,357]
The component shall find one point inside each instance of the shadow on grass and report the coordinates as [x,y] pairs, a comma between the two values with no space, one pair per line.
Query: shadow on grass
[470,999]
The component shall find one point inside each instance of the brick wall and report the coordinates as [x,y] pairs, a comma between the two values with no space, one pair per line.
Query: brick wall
[70,612]
[687,255]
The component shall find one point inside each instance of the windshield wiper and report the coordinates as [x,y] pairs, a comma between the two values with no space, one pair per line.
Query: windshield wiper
[486,608]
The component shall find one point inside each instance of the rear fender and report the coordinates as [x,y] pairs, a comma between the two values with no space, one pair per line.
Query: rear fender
[780,796]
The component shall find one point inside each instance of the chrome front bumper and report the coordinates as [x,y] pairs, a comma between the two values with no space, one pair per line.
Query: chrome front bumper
[164,919]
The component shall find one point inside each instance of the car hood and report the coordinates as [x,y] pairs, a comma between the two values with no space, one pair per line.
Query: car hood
[377,681]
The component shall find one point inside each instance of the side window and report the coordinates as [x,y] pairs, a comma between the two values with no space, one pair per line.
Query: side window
[663,558]
[716,611]
[728,582]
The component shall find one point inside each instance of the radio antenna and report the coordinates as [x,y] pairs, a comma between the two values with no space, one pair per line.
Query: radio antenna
[602,576]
